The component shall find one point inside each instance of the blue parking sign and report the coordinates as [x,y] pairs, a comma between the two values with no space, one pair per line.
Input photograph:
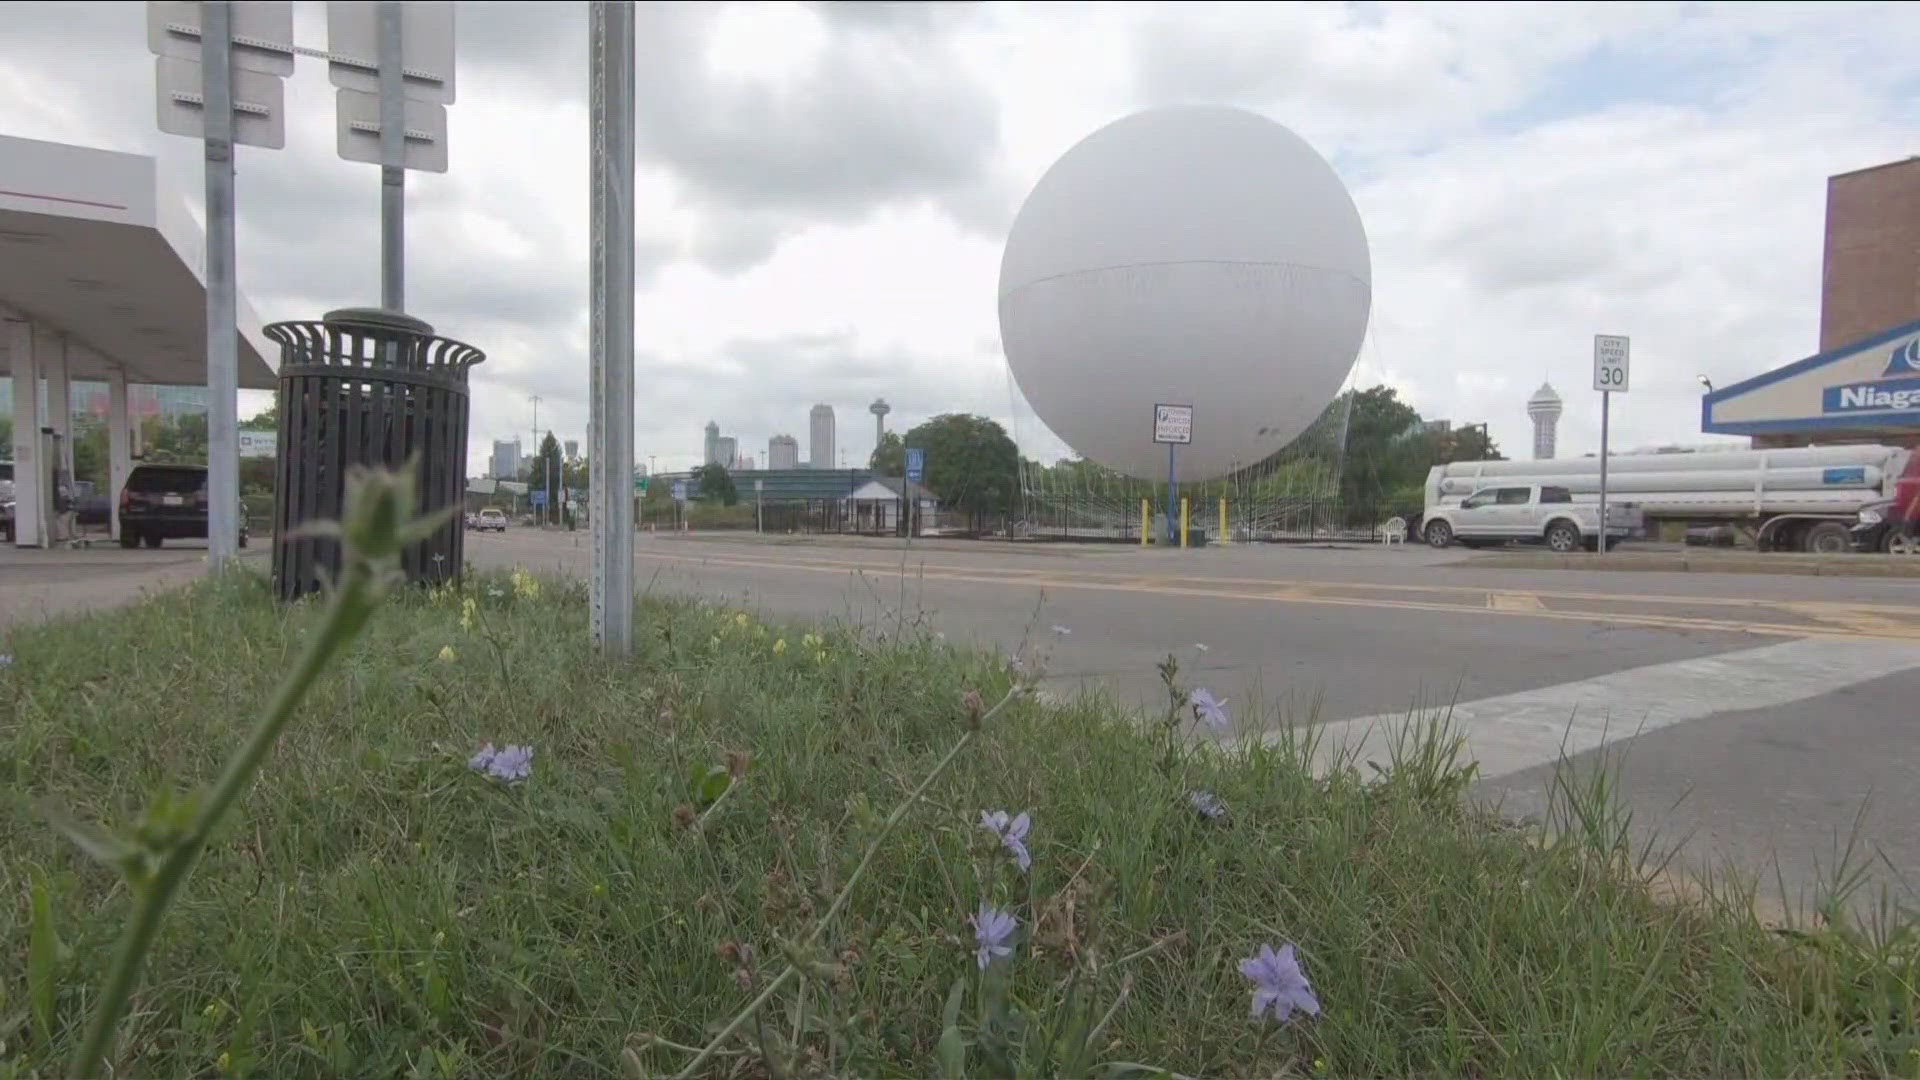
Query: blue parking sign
[916,462]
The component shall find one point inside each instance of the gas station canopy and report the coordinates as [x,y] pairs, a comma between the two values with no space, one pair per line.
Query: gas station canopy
[95,247]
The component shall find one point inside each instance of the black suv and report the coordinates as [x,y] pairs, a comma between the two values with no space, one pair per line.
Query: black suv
[166,502]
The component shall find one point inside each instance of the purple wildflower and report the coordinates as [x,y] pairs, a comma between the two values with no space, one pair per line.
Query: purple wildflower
[1279,983]
[1210,709]
[1012,834]
[511,763]
[992,929]
[508,763]
[1207,805]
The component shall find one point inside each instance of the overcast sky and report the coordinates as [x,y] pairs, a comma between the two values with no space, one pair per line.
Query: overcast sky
[824,190]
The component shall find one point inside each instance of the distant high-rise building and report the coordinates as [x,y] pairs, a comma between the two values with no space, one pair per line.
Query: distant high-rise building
[726,449]
[820,437]
[573,449]
[1544,407]
[783,452]
[879,409]
[506,459]
[744,463]
[712,453]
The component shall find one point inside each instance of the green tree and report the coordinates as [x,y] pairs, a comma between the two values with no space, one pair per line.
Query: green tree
[268,418]
[890,457]
[548,467]
[1471,443]
[6,435]
[175,440]
[90,451]
[716,484]
[971,464]
[1387,448]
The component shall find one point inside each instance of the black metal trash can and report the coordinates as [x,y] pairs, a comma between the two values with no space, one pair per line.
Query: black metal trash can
[364,386]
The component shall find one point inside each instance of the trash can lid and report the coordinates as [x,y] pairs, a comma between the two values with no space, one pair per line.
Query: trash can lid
[377,319]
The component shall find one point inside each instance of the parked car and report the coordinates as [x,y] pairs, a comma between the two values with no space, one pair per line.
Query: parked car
[90,506]
[1530,512]
[491,518]
[167,502]
[6,501]
[1891,526]
[473,518]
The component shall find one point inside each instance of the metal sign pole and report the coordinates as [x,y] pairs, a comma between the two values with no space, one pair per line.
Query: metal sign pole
[610,88]
[223,336]
[1170,537]
[1611,353]
[1606,400]
[393,160]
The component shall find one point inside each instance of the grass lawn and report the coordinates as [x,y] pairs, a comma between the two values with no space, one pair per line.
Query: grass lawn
[375,907]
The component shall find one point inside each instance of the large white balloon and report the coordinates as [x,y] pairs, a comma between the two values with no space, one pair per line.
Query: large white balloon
[1192,255]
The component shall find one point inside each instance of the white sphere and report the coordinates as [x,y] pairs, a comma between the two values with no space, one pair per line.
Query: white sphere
[1191,255]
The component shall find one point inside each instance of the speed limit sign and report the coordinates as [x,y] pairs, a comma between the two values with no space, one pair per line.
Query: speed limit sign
[1610,362]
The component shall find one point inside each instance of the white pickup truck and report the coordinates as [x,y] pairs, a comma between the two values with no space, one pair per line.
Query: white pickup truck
[1497,514]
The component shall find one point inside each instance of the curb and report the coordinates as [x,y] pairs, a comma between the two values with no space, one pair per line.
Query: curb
[1821,566]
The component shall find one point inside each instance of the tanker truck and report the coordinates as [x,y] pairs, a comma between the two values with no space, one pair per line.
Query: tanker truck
[1799,499]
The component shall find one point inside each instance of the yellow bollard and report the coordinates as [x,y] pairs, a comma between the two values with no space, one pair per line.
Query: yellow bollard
[1183,521]
[1223,519]
[1145,519]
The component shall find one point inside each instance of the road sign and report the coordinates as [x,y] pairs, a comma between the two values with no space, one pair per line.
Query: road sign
[1173,424]
[916,463]
[359,131]
[259,103]
[536,498]
[426,49]
[262,36]
[640,484]
[759,486]
[679,491]
[1610,363]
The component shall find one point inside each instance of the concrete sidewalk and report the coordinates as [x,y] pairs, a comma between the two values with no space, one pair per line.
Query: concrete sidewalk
[36,585]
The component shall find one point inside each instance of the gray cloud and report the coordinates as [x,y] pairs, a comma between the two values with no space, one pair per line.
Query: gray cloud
[1515,199]
[885,114]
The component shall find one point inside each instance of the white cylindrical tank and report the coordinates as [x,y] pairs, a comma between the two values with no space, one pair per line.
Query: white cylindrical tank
[1191,255]
[1736,483]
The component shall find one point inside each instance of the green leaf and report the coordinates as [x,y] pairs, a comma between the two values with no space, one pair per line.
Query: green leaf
[98,844]
[953,1054]
[709,783]
[956,997]
[44,951]
[952,1049]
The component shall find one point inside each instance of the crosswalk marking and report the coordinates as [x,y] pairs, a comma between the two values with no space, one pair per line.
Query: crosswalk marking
[1513,732]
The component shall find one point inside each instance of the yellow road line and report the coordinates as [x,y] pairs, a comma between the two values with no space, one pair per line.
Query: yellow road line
[1310,596]
[1476,591]
[1514,601]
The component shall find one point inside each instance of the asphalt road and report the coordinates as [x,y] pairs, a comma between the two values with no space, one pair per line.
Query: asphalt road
[1756,718]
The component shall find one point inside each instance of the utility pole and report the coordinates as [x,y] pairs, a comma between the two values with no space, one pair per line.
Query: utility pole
[535,398]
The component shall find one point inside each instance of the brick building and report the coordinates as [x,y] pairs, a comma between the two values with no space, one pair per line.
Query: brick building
[1870,279]
[1863,386]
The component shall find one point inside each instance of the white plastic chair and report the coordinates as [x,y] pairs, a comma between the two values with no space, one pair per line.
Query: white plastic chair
[1394,531]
